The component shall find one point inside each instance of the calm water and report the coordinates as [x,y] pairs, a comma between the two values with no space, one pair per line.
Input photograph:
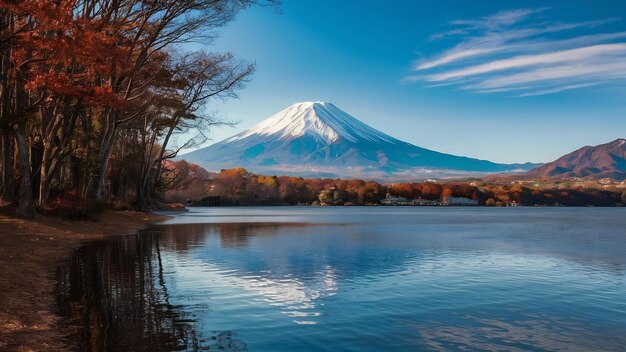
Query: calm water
[356,279]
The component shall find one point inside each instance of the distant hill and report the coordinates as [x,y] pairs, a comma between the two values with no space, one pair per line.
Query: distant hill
[604,160]
[317,139]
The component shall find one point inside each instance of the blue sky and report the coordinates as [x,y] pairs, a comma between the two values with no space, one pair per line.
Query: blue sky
[499,80]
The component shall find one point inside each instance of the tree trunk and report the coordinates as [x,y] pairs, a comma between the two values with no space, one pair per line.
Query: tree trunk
[96,189]
[26,207]
[57,131]
[8,187]
[36,152]
[44,182]
[153,174]
[48,170]
[75,172]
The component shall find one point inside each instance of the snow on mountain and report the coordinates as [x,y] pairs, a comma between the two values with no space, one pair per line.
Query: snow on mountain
[317,139]
[323,121]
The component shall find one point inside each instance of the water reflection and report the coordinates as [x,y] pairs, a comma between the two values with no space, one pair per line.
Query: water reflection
[180,237]
[358,280]
[115,295]
[519,332]
[272,280]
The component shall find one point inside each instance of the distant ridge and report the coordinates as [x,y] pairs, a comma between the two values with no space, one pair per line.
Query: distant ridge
[604,160]
[317,139]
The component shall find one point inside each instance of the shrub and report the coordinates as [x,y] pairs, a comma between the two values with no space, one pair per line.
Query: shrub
[71,205]
[117,204]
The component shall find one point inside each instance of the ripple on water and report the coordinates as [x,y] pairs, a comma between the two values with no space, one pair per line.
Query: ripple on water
[359,280]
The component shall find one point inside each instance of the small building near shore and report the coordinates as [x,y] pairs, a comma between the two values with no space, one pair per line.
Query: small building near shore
[458,201]
[392,200]
[425,202]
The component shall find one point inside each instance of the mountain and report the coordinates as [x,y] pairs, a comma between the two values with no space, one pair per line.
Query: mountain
[604,160]
[317,139]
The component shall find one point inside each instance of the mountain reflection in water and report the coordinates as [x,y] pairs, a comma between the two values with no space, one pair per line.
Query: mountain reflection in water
[355,279]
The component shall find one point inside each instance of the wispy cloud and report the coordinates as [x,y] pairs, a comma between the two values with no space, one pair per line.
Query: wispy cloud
[499,20]
[519,51]
[561,56]
[559,89]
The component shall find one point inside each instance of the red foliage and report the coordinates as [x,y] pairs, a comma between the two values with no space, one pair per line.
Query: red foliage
[72,206]
[64,54]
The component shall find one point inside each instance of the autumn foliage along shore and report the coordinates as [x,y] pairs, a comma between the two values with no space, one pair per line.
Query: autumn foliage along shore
[190,183]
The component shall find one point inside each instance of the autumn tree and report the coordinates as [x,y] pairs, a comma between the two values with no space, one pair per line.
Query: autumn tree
[149,28]
[87,86]
[23,29]
[177,105]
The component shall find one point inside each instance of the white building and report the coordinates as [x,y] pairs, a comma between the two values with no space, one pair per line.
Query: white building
[458,201]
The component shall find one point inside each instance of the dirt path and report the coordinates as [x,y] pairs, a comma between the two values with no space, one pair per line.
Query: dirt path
[29,253]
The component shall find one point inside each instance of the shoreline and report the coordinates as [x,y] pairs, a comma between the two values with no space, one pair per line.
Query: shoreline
[30,251]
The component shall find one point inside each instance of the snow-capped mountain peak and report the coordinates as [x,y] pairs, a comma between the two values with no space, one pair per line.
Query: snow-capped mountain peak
[319,139]
[321,120]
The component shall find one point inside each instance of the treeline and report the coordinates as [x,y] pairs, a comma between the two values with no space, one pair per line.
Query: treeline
[191,184]
[240,187]
[93,93]
[506,194]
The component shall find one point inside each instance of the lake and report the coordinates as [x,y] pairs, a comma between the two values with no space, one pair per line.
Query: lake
[355,279]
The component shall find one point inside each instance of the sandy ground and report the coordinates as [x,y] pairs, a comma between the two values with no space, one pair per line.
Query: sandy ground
[29,253]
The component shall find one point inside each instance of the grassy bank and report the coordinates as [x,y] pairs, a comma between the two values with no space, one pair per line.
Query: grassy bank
[29,253]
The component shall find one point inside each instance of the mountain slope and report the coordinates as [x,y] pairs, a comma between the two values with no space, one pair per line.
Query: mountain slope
[605,160]
[319,139]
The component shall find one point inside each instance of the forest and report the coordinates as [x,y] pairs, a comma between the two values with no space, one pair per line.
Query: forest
[190,183]
[93,94]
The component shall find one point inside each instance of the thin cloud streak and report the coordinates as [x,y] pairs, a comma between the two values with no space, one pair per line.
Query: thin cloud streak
[559,89]
[529,60]
[505,41]
[455,56]
[518,54]
[591,71]
[500,19]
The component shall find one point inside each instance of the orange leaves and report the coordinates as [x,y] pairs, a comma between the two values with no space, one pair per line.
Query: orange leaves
[103,95]
[233,173]
[61,53]
[61,84]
